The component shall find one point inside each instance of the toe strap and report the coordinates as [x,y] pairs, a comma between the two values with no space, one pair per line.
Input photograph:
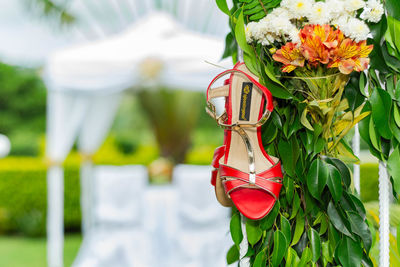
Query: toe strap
[235,179]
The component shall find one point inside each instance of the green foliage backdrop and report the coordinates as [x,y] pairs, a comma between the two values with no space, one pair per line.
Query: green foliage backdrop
[22,108]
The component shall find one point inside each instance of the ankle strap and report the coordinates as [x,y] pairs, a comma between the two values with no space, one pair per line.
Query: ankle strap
[224,91]
[265,91]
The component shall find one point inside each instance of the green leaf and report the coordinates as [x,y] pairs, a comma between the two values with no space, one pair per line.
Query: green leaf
[393,8]
[306,257]
[394,128]
[279,248]
[277,90]
[334,237]
[236,229]
[289,188]
[230,45]
[377,59]
[305,121]
[349,252]
[269,70]
[251,63]
[269,220]
[292,259]
[295,206]
[324,225]
[288,152]
[316,178]
[241,36]
[360,228]
[254,232]
[334,183]
[394,168]
[299,229]
[362,84]
[367,262]
[364,130]
[359,206]
[373,135]
[315,243]
[396,114]
[391,61]
[327,253]
[343,169]
[285,227]
[232,255]
[319,145]
[337,220]
[381,103]
[394,30]
[223,6]
[398,238]
[260,260]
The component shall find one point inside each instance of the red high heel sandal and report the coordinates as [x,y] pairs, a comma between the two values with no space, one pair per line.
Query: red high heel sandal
[251,179]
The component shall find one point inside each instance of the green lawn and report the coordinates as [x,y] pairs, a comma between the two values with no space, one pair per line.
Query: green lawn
[23,251]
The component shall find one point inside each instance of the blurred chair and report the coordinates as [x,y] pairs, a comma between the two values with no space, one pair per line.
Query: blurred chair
[116,237]
[201,238]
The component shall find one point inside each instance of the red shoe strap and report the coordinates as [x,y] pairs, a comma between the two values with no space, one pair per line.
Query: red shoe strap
[218,154]
[264,180]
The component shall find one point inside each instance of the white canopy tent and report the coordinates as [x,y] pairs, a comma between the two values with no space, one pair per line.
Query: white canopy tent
[85,86]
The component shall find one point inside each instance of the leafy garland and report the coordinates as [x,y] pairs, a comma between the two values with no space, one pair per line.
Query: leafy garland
[318,221]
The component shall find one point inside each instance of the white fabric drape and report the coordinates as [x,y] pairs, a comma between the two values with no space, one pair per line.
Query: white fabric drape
[71,114]
[114,64]
[200,239]
[116,236]
[65,113]
[96,124]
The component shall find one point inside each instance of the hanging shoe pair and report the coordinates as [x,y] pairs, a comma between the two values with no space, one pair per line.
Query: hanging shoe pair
[244,175]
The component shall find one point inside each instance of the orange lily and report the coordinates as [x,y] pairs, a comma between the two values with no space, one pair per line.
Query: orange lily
[290,56]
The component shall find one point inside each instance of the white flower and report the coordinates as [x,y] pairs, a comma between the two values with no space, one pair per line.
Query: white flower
[249,31]
[356,29]
[373,12]
[294,35]
[341,22]
[336,8]
[257,31]
[297,8]
[267,40]
[280,12]
[353,5]
[319,13]
[280,25]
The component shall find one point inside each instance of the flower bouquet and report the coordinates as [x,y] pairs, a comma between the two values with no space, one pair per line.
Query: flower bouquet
[312,56]
[320,44]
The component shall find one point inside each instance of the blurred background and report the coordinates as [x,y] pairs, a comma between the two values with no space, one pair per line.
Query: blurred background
[155,126]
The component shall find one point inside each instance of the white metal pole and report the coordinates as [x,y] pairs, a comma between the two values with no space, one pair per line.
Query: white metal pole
[244,245]
[384,203]
[55,216]
[86,173]
[356,167]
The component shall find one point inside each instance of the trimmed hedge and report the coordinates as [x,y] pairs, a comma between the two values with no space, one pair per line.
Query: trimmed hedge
[23,188]
[369,182]
[23,199]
